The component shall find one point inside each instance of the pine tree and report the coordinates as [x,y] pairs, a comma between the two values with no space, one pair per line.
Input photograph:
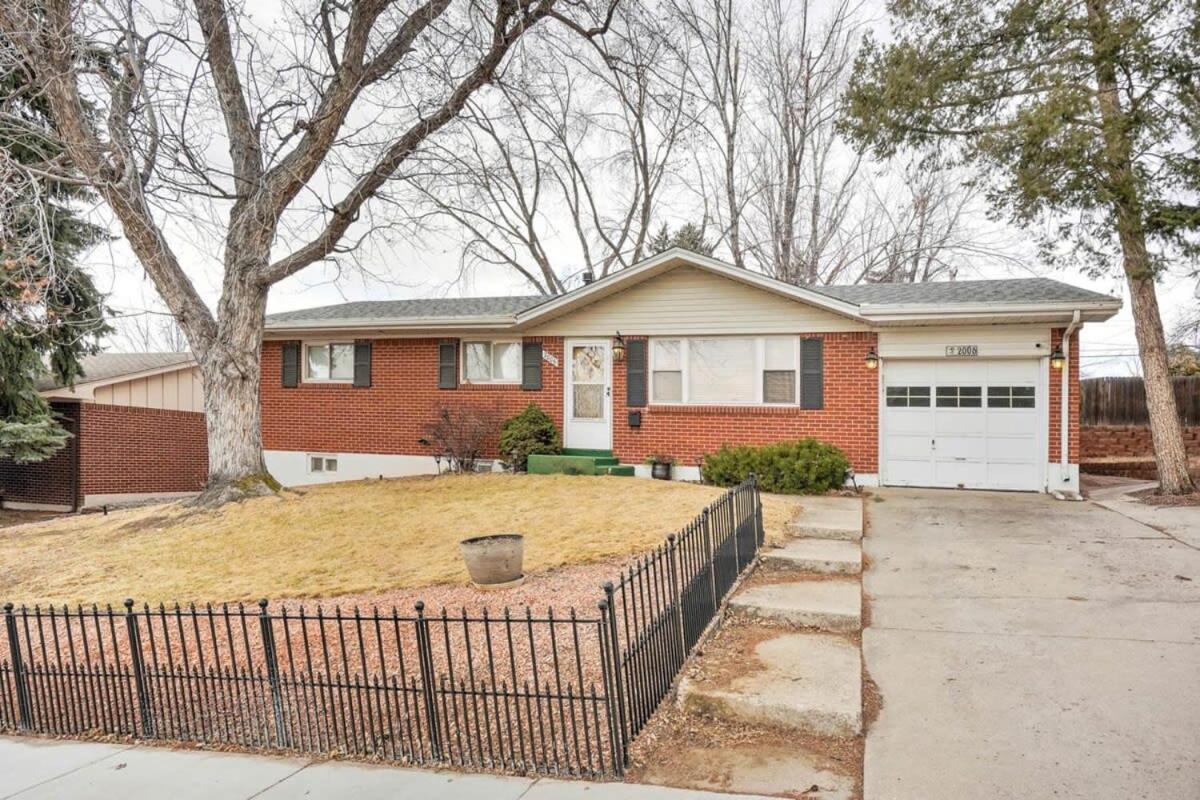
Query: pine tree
[51,314]
[689,236]
[1086,113]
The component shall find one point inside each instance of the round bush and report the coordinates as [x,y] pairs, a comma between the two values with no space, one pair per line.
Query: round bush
[801,467]
[531,431]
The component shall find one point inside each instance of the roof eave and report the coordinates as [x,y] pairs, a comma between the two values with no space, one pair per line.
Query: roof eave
[86,385]
[1092,311]
[403,324]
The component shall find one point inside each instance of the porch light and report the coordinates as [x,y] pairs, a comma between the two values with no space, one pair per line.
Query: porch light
[872,359]
[1057,359]
[619,348]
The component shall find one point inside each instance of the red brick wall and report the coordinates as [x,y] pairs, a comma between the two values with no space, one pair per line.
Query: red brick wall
[391,416]
[129,450]
[1072,401]
[850,418]
[1124,441]
[49,482]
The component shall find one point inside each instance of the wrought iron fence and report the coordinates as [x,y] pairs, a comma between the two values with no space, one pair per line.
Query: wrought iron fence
[549,693]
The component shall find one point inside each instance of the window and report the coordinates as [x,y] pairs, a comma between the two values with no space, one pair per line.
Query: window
[1010,397]
[322,463]
[908,396]
[667,358]
[959,396]
[492,362]
[779,370]
[730,370]
[329,361]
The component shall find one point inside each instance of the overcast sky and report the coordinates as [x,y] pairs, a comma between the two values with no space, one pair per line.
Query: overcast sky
[432,268]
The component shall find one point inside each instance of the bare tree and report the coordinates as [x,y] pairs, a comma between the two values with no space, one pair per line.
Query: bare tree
[574,150]
[804,178]
[314,111]
[719,78]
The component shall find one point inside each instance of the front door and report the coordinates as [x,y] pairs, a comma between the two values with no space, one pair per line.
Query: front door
[588,395]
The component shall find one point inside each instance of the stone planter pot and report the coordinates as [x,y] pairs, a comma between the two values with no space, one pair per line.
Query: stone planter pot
[660,470]
[495,561]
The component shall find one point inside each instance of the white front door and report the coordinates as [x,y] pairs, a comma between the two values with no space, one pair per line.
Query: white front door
[966,424]
[588,394]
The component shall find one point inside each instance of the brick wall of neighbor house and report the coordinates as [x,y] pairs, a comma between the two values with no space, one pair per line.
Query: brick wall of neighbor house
[391,416]
[129,450]
[850,418]
[1055,379]
[49,482]
[1128,441]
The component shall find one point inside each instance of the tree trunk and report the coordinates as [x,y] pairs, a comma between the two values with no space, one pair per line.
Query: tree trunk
[1166,432]
[231,370]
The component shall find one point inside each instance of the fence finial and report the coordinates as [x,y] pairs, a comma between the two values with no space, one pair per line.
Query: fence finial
[129,604]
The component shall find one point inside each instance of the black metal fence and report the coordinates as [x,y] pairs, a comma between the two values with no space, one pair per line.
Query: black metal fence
[547,693]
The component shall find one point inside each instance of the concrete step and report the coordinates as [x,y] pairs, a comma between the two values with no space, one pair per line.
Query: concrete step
[807,682]
[828,605]
[825,556]
[838,518]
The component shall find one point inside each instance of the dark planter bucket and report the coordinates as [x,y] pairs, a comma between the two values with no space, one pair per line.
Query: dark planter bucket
[496,561]
[660,471]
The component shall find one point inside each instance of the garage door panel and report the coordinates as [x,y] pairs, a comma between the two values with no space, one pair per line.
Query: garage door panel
[954,442]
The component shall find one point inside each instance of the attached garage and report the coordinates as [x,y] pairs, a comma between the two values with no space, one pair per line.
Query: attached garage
[964,424]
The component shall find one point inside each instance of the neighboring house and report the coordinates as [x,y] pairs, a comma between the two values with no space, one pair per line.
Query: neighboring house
[936,384]
[137,425]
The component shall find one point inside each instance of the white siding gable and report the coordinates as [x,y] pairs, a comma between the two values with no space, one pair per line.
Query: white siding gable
[687,300]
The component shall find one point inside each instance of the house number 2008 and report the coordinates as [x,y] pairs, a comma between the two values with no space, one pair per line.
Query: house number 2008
[962,349]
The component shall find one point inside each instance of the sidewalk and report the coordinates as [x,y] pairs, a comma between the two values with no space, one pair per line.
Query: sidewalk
[62,770]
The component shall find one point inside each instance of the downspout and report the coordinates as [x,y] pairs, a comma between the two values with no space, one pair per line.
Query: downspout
[1064,397]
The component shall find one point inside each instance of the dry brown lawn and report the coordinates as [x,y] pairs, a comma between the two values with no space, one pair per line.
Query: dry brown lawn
[341,539]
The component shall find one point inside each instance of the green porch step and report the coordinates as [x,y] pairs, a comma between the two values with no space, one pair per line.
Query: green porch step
[574,463]
[583,451]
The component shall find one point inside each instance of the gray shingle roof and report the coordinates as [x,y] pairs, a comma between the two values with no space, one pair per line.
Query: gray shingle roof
[1013,290]
[106,366]
[445,307]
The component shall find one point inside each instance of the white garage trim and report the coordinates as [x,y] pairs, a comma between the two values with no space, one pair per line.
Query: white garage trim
[984,443]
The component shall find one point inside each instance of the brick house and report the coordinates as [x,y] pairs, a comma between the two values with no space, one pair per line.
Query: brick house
[138,433]
[939,384]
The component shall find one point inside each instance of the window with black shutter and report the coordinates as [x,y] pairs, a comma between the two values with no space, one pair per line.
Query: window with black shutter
[635,373]
[448,365]
[290,363]
[812,373]
[362,363]
[531,366]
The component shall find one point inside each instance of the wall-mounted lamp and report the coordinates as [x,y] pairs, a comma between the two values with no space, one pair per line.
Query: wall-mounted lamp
[619,348]
[1057,359]
[872,359]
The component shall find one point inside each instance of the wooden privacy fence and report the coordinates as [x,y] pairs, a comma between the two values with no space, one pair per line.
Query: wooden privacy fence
[1122,401]
[524,691]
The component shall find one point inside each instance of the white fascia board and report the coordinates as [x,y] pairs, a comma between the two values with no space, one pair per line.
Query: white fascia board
[403,324]
[983,312]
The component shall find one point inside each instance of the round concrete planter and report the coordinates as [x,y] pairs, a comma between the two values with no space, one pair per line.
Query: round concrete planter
[495,561]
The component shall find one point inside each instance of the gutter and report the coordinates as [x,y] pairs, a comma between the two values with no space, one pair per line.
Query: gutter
[1064,413]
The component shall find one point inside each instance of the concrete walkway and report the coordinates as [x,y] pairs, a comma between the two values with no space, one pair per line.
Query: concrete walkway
[1026,647]
[54,770]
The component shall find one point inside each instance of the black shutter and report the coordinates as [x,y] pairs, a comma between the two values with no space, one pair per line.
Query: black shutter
[362,363]
[635,373]
[531,366]
[812,373]
[448,365]
[290,376]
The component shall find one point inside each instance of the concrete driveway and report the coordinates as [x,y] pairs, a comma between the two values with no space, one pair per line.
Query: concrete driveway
[1027,647]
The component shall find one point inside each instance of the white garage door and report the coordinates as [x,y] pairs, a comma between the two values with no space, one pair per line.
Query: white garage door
[968,424]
